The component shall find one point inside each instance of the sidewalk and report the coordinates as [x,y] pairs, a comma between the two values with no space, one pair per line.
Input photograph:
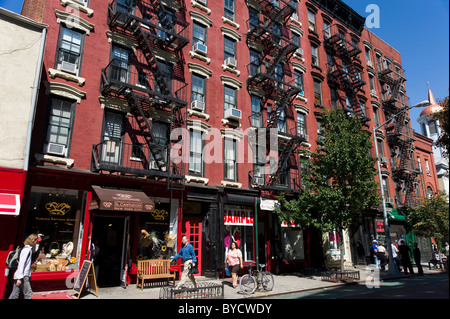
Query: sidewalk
[285,283]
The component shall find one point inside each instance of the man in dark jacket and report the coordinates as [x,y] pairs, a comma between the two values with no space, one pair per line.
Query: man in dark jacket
[405,252]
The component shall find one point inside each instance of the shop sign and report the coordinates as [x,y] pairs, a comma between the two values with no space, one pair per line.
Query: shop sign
[379,225]
[268,204]
[9,204]
[238,217]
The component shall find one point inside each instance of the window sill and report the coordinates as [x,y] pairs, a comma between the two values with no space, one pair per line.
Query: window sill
[196,179]
[299,57]
[75,4]
[294,20]
[192,54]
[231,184]
[70,77]
[45,158]
[230,22]
[301,98]
[230,69]
[198,114]
[195,4]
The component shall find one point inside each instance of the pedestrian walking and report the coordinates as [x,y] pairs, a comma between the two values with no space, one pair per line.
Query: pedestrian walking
[382,255]
[188,259]
[417,259]
[374,253]
[395,256]
[22,274]
[234,260]
[405,252]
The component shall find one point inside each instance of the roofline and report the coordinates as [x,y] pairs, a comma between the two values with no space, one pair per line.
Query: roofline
[20,18]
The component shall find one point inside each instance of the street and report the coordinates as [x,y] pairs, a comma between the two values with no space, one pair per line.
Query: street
[418,287]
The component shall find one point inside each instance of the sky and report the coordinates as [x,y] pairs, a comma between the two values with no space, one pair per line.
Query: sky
[418,29]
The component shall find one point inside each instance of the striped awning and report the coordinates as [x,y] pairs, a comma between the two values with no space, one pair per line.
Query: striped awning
[9,204]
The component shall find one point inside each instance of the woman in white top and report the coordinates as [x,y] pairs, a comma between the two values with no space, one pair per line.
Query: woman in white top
[23,272]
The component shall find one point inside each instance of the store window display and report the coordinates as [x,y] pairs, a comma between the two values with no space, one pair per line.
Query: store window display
[56,215]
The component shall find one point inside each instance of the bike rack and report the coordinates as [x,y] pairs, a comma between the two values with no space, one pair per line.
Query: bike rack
[204,290]
[336,276]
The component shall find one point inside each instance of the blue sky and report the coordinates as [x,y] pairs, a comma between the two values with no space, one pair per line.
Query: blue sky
[418,29]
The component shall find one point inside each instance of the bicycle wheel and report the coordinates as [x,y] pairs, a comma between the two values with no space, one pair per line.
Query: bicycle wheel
[267,280]
[247,284]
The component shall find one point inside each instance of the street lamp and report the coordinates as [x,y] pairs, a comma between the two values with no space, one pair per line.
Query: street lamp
[393,270]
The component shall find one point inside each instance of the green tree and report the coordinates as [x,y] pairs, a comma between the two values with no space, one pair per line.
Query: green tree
[431,218]
[340,183]
[443,117]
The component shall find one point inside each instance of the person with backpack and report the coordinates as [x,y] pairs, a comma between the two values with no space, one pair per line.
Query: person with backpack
[22,274]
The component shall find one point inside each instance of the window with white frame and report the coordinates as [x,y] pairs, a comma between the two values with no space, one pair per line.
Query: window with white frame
[230,159]
[311,20]
[198,33]
[229,9]
[230,99]
[196,166]
[314,54]
[70,47]
[301,124]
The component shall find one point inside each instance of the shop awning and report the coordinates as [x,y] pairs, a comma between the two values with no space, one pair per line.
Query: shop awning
[9,204]
[121,200]
[394,214]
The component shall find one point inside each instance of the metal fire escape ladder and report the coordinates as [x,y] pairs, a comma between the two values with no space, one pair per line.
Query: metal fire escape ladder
[144,125]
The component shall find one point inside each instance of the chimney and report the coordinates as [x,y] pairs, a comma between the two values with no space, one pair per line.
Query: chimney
[34,9]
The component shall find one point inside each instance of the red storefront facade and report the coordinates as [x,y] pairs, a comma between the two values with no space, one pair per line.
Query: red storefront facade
[103,82]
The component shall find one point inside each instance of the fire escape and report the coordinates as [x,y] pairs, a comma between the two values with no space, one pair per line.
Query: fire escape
[399,132]
[267,29]
[342,71]
[151,81]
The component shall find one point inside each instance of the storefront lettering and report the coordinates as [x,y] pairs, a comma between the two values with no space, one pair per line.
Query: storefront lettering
[238,217]
[55,208]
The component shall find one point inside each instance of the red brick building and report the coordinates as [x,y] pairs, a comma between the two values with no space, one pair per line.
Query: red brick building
[123,79]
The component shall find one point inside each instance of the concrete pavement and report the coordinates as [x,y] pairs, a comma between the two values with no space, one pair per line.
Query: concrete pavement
[285,283]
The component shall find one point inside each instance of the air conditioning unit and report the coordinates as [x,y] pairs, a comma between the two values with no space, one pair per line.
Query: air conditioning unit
[390,200]
[230,62]
[69,67]
[202,2]
[369,64]
[200,48]
[233,114]
[384,160]
[258,180]
[57,149]
[198,106]
[299,51]
[374,92]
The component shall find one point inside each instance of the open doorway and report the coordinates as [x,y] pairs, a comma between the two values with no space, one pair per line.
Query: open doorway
[111,234]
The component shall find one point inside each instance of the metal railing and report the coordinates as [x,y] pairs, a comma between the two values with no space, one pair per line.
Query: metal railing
[204,290]
[288,181]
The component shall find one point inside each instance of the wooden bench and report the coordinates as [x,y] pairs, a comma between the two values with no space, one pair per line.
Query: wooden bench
[154,269]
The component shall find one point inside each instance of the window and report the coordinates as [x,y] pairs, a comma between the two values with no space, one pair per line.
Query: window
[230,162]
[230,97]
[424,129]
[372,84]
[255,62]
[165,86]
[427,167]
[229,48]
[257,117]
[376,116]
[120,65]
[113,131]
[433,127]
[296,39]
[299,81]
[334,98]
[198,33]
[59,129]
[301,124]
[254,19]
[326,30]
[317,93]
[69,50]
[195,153]
[281,123]
[385,187]
[379,62]
[314,55]
[311,21]
[58,214]
[362,108]
[166,23]
[279,75]
[419,164]
[368,57]
[294,5]
[198,92]
[429,192]
[229,9]
[161,134]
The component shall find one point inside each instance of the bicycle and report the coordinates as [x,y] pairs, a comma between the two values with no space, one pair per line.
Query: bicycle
[256,279]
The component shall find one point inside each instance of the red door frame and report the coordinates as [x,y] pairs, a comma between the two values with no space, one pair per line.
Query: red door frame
[192,226]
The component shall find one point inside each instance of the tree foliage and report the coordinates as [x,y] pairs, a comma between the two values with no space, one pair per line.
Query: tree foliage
[340,183]
[431,219]
[443,117]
